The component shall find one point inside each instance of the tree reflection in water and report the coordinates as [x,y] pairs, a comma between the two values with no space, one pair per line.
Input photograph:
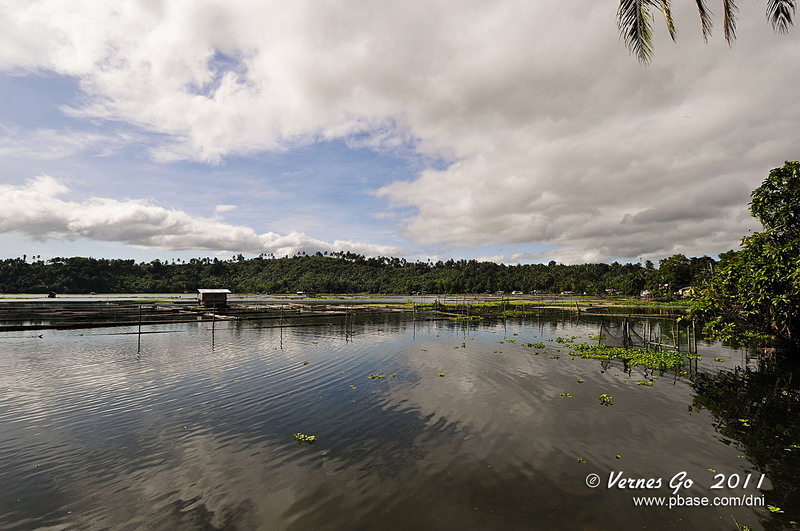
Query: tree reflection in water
[758,409]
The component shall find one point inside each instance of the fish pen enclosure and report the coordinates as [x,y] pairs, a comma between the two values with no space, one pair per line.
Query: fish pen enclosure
[655,334]
[22,316]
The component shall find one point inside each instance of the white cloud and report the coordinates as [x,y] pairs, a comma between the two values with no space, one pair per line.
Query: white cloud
[219,209]
[52,144]
[561,137]
[37,209]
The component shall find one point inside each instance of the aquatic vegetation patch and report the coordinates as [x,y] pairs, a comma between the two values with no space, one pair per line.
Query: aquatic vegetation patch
[375,377]
[606,399]
[517,313]
[467,318]
[566,395]
[644,357]
[302,438]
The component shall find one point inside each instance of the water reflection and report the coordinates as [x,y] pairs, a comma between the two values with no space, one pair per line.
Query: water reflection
[757,408]
[195,427]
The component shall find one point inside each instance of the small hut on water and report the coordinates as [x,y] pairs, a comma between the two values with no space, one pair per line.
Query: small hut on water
[213,297]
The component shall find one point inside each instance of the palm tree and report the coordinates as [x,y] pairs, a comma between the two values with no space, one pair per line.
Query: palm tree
[634,19]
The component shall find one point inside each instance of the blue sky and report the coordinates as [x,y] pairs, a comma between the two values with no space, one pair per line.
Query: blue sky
[513,132]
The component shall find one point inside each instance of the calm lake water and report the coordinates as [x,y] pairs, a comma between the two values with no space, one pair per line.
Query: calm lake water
[469,428]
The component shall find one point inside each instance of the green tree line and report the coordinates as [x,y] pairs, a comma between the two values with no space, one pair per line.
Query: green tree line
[345,273]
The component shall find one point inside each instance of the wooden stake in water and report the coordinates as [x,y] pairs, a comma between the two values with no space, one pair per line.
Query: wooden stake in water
[213,323]
[139,346]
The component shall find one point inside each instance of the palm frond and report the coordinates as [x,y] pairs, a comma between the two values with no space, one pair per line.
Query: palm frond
[635,27]
[729,20]
[665,8]
[781,14]
[706,23]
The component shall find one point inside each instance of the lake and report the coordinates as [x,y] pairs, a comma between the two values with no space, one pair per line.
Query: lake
[417,424]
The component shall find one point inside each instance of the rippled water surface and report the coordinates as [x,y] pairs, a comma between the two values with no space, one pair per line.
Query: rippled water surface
[467,429]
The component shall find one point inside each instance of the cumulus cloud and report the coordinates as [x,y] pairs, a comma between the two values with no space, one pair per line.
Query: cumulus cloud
[37,209]
[559,137]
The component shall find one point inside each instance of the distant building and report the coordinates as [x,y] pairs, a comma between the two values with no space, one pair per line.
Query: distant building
[212,297]
[685,292]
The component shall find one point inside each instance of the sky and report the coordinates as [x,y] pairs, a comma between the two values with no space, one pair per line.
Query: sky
[511,131]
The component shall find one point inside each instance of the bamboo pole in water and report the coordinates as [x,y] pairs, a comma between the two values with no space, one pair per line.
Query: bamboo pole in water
[675,337]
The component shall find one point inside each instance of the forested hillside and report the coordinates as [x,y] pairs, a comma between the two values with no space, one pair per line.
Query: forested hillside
[343,273]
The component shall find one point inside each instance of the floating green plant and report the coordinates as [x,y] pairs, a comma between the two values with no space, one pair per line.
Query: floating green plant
[554,356]
[441,375]
[393,375]
[647,358]
[718,359]
[645,383]
[619,456]
[566,395]
[711,470]
[774,509]
[606,399]
[375,377]
[302,438]
[538,344]
[305,363]
[511,340]
[580,381]
[581,459]
[745,422]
